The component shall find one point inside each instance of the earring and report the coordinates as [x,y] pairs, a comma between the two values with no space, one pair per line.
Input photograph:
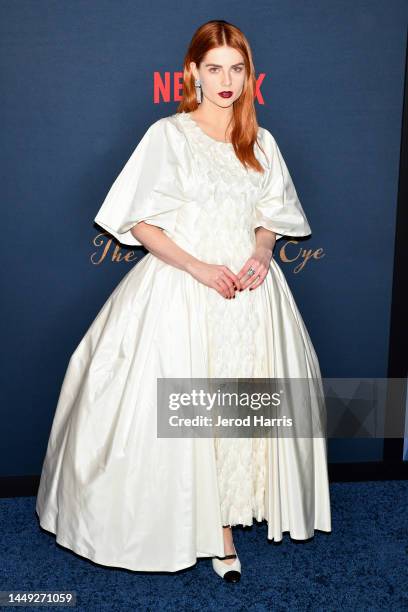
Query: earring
[197,84]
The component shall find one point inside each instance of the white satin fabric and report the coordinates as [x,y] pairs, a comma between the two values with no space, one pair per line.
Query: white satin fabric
[110,489]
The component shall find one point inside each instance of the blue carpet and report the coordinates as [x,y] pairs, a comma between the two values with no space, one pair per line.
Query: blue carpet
[361,565]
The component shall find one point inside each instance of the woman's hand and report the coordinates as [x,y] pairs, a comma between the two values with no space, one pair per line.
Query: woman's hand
[218,277]
[259,262]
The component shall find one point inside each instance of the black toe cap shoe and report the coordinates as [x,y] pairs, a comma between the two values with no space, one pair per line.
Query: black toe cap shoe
[232,576]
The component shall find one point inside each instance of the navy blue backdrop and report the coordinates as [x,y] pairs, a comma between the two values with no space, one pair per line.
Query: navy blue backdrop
[80,84]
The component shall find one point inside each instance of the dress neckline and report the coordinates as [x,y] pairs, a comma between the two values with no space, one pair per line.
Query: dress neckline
[195,124]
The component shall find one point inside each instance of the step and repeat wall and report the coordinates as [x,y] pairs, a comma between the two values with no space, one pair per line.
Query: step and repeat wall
[81,83]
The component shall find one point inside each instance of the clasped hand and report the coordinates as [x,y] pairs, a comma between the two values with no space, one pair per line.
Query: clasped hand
[226,283]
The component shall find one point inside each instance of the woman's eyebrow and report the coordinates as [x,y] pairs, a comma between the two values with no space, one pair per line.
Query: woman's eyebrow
[219,65]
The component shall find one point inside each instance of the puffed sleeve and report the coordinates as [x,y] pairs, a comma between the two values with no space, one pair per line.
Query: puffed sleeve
[149,188]
[278,208]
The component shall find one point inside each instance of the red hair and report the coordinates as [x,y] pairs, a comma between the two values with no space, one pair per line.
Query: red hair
[218,33]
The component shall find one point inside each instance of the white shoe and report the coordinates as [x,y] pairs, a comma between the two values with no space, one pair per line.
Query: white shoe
[231,572]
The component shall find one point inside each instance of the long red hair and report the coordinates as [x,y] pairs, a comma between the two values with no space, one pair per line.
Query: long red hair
[218,33]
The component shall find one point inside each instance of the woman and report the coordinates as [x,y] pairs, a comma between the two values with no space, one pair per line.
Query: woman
[207,192]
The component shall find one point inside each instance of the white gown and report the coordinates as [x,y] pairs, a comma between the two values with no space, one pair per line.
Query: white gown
[110,489]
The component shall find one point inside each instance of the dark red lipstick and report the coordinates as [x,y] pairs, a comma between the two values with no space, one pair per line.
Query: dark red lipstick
[225,94]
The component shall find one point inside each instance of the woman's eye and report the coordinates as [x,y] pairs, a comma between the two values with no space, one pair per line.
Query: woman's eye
[237,69]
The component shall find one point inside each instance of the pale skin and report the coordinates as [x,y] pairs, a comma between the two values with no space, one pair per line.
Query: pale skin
[222,69]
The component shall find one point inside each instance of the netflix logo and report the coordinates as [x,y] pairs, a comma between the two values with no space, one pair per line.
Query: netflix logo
[168,87]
